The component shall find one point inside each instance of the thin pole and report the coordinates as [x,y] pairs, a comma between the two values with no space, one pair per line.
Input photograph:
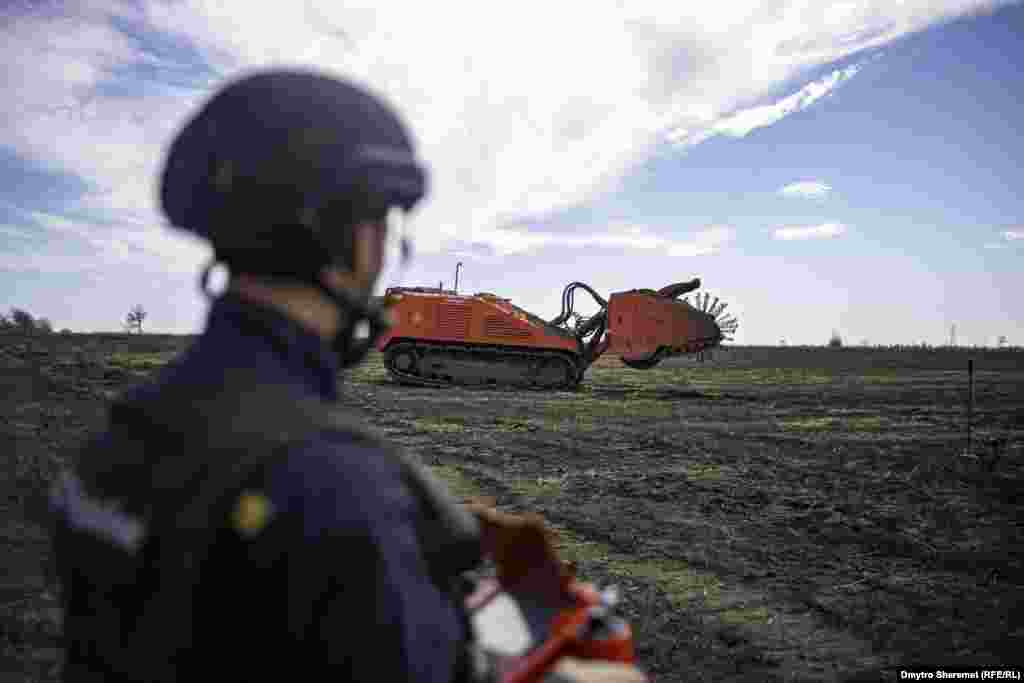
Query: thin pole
[459,265]
[970,401]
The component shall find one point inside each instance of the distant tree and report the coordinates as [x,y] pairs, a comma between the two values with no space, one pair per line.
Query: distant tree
[135,317]
[66,331]
[44,326]
[1002,341]
[23,321]
[835,341]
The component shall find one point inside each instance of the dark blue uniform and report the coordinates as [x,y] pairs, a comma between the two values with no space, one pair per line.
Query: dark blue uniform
[335,579]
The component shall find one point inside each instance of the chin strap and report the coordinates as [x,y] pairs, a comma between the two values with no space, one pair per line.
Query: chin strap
[362,309]
[355,310]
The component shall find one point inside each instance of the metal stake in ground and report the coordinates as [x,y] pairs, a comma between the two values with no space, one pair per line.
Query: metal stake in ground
[970,402]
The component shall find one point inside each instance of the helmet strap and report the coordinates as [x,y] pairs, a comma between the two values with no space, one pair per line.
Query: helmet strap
[355,310]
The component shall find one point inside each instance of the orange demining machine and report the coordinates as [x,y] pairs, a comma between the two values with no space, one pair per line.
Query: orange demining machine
[441,338]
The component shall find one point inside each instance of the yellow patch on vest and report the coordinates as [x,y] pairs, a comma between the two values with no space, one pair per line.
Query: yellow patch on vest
[252,513]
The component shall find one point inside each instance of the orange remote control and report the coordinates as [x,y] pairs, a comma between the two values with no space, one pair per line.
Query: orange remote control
[528,638]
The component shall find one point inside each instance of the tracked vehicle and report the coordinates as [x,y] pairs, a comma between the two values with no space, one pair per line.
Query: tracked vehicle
[441,338]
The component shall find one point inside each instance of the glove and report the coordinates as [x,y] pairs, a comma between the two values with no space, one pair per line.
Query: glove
[524,554]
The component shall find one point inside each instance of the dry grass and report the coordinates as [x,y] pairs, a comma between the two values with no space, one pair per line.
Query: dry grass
[820,513]
[139,361]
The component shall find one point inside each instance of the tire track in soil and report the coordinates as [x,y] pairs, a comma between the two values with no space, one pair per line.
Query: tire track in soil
[816,569]
[696,640]
[773,650]
[784,564]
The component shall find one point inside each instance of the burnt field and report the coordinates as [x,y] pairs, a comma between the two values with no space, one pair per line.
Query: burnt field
[771,514]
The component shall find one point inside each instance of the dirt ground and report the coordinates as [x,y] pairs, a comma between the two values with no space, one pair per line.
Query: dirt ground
[771,514]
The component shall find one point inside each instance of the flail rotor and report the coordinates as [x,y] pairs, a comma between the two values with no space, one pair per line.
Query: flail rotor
[716,309]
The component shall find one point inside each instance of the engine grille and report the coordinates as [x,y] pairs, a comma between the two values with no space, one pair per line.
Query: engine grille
[496,326]
[453,320]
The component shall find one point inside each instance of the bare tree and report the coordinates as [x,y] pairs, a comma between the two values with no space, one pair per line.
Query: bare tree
[835,341]
[135,317]
[23,320]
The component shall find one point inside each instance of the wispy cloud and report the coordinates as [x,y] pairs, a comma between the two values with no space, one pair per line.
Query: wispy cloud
[810,232]
[500,242]
[1013,235]
[507,132]
[740,123]
[90,245]
[806,188]
[18,233]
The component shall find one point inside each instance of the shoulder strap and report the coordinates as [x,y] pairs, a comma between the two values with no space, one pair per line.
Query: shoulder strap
[448,534]
[245,428]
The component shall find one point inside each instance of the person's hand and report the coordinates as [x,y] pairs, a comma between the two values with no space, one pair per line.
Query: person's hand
[595,671]
[524,553]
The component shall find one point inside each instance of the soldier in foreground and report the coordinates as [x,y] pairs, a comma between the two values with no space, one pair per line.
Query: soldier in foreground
[230,519]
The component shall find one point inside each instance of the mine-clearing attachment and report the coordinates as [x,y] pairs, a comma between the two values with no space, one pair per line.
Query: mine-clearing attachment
[440,338]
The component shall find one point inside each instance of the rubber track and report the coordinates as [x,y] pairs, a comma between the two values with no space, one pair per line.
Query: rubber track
[489,355]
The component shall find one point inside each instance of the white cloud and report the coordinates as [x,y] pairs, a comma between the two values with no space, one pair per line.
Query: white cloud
[806,188]
[504,241]
[741,122]
[1012,235]
[707,241]
[516,117]
[51,263]
[810,232]
[102,246]
[19,233]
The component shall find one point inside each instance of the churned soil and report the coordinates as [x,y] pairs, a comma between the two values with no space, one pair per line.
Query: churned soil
[800,514]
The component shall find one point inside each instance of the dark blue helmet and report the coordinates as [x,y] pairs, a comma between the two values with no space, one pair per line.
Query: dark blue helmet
[276,165]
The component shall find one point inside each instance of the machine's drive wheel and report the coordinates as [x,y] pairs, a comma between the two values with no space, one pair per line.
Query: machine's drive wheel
[555,372]
[403,358]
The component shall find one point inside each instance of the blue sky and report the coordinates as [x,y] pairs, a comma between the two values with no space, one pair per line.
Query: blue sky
[850,166]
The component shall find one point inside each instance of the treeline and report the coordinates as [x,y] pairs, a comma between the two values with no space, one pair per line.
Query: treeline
[20,321]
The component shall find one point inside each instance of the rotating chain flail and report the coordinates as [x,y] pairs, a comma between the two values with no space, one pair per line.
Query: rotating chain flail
[716,309]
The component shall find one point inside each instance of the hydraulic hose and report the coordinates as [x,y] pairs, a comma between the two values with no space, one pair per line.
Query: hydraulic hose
[676,290]
[568,301]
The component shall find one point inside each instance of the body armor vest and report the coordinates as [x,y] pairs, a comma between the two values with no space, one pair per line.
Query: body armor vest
[146,515]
